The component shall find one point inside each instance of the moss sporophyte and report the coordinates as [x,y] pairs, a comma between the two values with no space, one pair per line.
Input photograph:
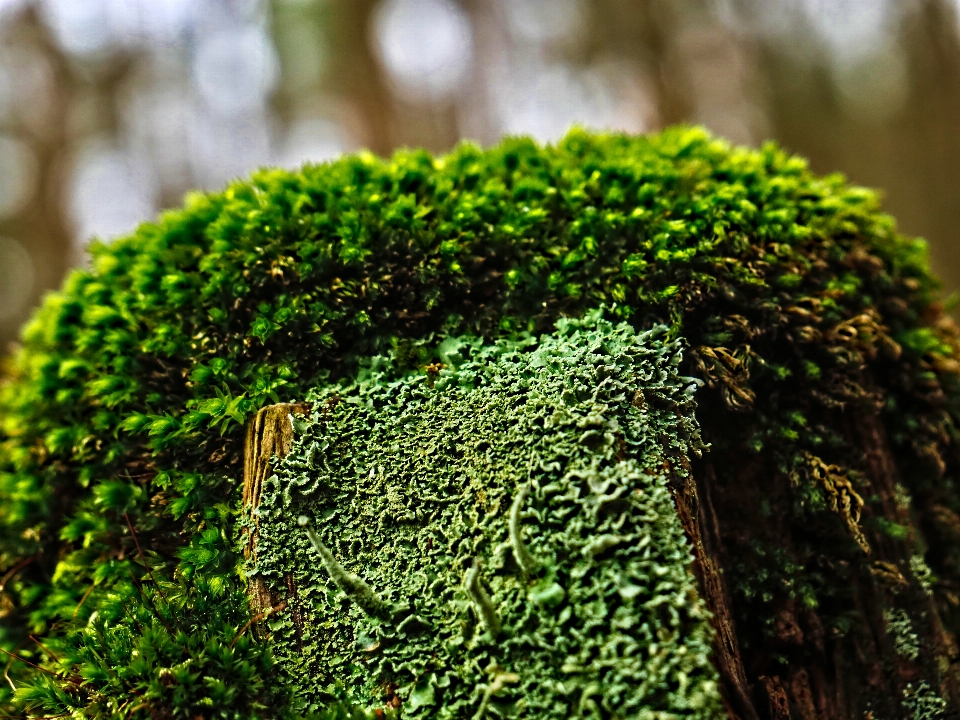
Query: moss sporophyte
[490,531]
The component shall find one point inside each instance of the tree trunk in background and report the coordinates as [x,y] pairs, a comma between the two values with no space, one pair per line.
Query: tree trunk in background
[644,31]
[357,74]
[41,225]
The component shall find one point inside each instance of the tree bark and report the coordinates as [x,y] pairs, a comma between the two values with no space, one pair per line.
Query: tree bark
[804,672]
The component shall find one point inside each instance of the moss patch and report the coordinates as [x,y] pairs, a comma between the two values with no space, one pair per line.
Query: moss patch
[517,547]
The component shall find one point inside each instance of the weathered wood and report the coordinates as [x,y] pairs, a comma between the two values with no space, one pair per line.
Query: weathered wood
[269,435]
[801,670]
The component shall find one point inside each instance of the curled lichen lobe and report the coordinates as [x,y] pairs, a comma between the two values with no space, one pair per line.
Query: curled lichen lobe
[352,585]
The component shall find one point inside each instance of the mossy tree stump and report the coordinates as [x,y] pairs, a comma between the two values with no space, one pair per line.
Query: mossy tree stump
[823,523]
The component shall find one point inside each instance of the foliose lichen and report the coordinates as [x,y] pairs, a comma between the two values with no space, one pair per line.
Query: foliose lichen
[900,628]
[421,484]
[923,703]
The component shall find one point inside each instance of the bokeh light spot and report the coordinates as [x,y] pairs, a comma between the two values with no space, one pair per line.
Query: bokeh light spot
[544,21]
[312,140]
[235,69]
[110,193]
[425,45]
[88,27]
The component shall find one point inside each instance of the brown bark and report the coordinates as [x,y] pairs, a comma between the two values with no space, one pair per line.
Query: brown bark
[41,225]
[696,519]
[359,78]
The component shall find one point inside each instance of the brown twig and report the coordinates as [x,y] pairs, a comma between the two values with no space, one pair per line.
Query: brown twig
[141,706]
[84,598]
[15,569]
[45,649]
[130,615]
[6,670]
[257,618]
[146,597]
[33,665]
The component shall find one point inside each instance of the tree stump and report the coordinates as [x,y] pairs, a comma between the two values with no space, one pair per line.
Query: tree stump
[823,523]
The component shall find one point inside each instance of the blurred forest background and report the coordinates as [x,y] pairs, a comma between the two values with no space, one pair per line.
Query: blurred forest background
[110,110]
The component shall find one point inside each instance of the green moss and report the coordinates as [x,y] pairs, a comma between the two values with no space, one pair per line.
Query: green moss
[152,647]
[134,381]
[509,517]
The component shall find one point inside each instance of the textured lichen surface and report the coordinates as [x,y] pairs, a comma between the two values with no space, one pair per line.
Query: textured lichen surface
[801,304]
[510,518]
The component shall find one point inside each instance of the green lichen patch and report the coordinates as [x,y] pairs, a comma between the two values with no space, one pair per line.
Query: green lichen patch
[923,703]
[900,628]
[496,539]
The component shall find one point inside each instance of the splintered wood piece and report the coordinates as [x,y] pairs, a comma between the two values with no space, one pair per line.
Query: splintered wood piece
[269,435]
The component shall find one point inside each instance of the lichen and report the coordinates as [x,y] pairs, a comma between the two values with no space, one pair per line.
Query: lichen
[606,620]
[905,640]
[923,703]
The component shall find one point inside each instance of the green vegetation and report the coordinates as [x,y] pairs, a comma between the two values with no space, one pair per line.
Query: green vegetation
[901,629]
[129,395]
[511,545]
